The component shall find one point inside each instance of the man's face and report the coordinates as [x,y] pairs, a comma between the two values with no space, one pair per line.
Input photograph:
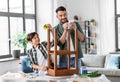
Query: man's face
[62,16]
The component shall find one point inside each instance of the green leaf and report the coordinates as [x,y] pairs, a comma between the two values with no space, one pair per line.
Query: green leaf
[19,40]
[92,74]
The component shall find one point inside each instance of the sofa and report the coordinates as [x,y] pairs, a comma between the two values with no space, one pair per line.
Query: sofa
[108,65]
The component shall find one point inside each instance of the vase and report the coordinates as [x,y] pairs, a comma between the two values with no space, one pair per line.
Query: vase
[16,53]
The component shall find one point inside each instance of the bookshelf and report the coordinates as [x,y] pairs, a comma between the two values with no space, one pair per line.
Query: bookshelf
[89,46]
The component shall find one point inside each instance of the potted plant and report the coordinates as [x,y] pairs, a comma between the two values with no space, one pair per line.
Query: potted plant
[93,22]
[92,45]
[19,41]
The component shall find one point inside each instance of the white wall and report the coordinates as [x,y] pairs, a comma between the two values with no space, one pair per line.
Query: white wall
[44,16]
[107,26]
[87,9]
[101,10]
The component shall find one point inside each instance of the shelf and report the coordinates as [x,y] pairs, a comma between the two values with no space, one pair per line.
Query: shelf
[91,48]
[90,37]
[92,53]
[83,48]
[81,22]
[91,26]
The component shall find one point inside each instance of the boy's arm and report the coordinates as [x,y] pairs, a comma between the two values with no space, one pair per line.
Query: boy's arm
[44,68]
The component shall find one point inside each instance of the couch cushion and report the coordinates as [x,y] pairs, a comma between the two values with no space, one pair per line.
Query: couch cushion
[112,62]
[108,72]
[94,60]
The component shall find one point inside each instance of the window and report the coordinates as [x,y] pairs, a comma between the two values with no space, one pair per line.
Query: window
[16,6]
[117,24]
[29,6]
[4,41]
[15,16]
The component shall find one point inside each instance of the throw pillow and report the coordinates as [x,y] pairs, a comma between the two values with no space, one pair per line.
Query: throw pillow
[119,62]
[113,62]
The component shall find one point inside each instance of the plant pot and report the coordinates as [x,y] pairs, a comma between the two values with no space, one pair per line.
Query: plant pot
[92,46]
[93,23]
[16,53]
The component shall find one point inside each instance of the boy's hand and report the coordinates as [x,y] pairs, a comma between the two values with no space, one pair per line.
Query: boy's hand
[44,68]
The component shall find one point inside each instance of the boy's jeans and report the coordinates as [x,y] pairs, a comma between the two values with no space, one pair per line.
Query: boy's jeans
[26,68]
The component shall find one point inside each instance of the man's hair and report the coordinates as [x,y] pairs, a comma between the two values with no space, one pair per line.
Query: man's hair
[31,35]
[61,8]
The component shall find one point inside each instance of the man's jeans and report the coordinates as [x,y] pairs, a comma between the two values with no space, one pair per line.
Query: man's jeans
[26,68]
[72,63]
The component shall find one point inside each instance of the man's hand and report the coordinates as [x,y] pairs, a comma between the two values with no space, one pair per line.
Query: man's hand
[73,25]
[65,26]
[80,35]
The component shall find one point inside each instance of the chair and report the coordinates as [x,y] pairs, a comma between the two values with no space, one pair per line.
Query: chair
[55,71]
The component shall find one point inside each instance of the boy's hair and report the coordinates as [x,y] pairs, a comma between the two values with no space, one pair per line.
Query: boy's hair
[31,35]
[61,8]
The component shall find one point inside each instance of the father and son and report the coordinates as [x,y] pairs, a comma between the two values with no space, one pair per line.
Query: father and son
[37,55]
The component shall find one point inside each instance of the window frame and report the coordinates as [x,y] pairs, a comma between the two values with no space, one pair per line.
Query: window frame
[116,27]
[23,16]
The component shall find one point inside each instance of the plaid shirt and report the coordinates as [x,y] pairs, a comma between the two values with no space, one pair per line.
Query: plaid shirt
[32,54]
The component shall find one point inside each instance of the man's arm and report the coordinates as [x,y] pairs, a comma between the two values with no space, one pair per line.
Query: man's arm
[80,34]
[63,37]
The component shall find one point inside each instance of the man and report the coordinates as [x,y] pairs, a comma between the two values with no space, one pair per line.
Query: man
[62,34]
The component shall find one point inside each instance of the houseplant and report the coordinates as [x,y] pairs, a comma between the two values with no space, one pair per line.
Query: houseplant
[93,22]
[19,41]
[92,45]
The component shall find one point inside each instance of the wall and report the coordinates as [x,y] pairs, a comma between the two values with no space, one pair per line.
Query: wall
[107,26]
[44,16]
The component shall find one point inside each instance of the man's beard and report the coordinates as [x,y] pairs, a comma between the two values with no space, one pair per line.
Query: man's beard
[66,20]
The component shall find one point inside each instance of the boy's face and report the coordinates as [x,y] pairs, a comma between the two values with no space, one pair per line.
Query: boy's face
[35,40]
[62,16]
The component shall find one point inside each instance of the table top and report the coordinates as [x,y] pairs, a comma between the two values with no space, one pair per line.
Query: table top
[21,77]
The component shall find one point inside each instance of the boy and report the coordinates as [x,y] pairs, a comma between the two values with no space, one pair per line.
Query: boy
[37,54]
